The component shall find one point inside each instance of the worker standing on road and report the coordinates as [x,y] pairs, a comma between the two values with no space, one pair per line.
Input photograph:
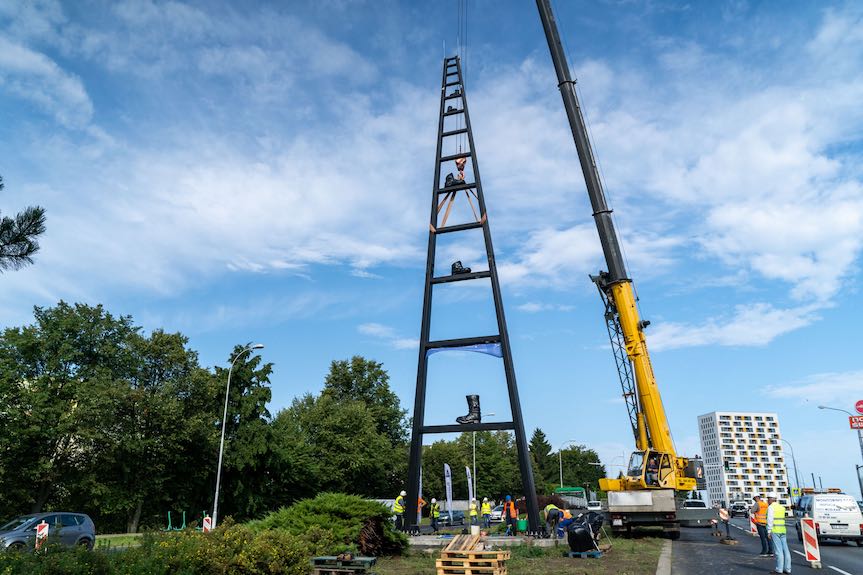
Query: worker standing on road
[778,533]
[399,510]
[434,513]
[510,511]
[473,513]
[725,517]
[552,518]
[758,511]
[486,513]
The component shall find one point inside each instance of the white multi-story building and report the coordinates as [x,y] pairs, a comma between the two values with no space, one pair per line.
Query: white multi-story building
[742,456]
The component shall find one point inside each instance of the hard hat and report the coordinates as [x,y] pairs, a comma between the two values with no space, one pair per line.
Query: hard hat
[772,495]
[485,499]
[508,498]
[434,500]
[403,493]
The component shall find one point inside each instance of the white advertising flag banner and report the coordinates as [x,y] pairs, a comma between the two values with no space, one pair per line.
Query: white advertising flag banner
[469,485]
[447,474]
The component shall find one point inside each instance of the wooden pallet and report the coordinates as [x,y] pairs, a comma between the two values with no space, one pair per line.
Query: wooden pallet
[331,565]
[461,557]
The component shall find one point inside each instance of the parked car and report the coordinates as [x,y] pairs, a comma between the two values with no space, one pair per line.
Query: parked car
[739,508]
[451,517]
[695,513]
[836,515]
[497,514]
[594,506]
[694,504]
[67,529]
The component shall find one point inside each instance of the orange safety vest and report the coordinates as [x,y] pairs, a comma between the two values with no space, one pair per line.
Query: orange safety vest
[761,514]
[513,510]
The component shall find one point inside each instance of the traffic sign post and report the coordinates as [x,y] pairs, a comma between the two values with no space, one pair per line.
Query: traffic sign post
[208,524]
[41,534]
[810,543]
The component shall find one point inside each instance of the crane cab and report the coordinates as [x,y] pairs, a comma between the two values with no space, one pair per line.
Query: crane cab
[652,469]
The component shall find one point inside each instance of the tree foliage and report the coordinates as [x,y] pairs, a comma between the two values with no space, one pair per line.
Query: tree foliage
[18,236]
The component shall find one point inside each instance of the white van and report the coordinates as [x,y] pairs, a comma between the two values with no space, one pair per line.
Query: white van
[836,515]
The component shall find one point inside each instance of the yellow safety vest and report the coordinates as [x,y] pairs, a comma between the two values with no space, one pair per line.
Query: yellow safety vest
[551,506]
[399,505]
[778,519]
[473,509]
[486,509]
[435,510]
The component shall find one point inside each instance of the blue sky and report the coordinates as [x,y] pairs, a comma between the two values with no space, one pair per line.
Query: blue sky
[261,172]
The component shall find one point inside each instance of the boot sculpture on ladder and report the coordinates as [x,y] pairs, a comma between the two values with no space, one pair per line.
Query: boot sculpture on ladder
[473,412]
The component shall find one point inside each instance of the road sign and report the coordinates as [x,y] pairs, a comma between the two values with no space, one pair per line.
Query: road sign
[810,543]
[795,492]
[856,421]
[859,407]
[41,534]
[208,524]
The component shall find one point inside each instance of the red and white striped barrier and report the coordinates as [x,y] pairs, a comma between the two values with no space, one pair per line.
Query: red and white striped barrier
[208,524]
[810,543]
[752,529]
[41,534]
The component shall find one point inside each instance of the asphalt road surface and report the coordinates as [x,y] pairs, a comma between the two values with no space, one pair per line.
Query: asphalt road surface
[697,552]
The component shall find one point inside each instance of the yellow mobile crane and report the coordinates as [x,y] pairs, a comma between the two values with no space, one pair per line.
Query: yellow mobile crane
[645,494]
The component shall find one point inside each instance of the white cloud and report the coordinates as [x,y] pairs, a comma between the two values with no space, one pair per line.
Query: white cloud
[839,389]
[535,307]
[751,325]
[387,334]
[35,77]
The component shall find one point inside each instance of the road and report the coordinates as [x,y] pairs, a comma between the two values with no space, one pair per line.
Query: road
[697,552]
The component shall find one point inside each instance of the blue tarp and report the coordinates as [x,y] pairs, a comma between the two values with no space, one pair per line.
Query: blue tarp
[486,348]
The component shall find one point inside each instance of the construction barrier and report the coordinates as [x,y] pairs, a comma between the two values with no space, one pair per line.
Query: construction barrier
[41,534]
[810,543]
[752,529]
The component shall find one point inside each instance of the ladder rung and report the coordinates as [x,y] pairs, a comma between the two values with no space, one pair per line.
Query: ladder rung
[452,84]
[453,97]
[461,277]
[454,112]
[459,427]
[457,188]
[456,156]
[461,342]
[454,132]
[458,228]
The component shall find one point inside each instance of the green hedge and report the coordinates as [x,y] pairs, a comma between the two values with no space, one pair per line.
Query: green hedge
[358,524]
[230,550]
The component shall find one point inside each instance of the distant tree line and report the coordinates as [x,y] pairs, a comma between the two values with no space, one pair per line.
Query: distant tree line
[100,417]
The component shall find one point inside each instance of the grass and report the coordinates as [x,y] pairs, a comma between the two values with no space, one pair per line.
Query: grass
[118,540]
[626,557]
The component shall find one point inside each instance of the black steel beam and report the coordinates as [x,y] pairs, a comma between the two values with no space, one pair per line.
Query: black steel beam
[461,277]
[460,342]
[457,188]
[456,156]
[452,84]
[453,113]
[459,427]
[454,96]
[454,132]
[459,228]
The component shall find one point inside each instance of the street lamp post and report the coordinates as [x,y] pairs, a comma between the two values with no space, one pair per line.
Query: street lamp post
[794,459]
[475,494]
[224,421]
[860,439]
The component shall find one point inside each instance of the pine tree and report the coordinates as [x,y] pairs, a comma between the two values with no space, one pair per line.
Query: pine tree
[18,237]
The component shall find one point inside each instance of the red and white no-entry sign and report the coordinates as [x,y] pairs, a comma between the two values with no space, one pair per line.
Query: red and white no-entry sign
[859,407]
[208,524]
[41,534]
[810,542]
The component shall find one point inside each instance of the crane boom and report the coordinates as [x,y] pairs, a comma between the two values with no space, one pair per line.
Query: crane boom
[652,432]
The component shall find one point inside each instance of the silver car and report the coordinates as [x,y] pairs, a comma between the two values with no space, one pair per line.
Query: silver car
[67,529]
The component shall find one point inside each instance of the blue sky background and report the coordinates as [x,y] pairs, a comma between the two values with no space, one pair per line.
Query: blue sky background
[262,171]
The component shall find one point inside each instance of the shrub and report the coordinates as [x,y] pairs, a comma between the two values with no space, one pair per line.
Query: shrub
[355,523]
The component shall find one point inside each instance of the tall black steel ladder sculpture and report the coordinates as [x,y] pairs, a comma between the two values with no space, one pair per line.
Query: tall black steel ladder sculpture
[455,104]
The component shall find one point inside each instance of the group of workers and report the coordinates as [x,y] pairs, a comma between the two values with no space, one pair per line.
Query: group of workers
[555,518]
[769,518]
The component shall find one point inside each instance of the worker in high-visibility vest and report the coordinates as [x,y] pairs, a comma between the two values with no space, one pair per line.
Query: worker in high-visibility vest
[434,513]
[566,519]
[473,513]
[777,531]
[510,512]
[399,510]
[552,518]
[420,504]
[485,511]
[758,511]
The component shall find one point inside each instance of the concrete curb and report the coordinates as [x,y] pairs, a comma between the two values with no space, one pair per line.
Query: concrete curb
[664,565]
